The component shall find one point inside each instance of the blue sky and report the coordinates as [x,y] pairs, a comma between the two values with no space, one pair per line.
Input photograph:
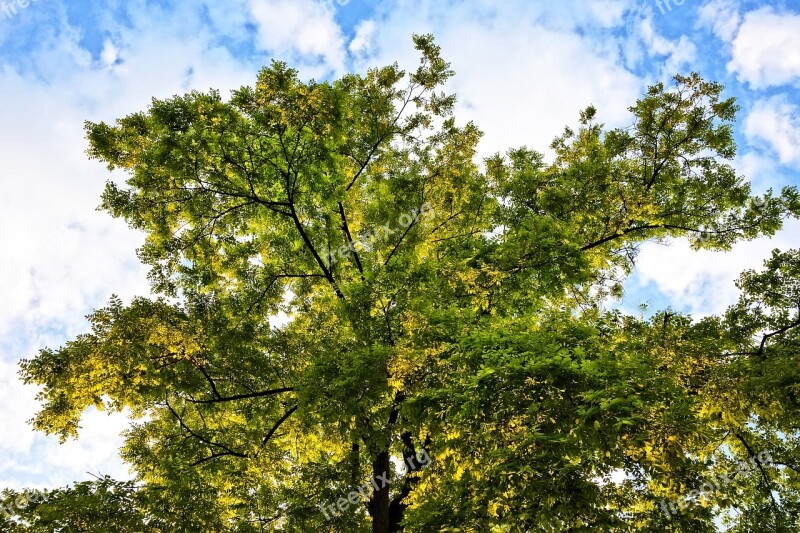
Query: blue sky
[524,70]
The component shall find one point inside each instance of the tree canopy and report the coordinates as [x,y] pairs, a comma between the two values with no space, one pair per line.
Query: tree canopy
[347,301]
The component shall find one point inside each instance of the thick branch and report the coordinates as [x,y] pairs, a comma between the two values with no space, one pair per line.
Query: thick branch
[389,132]
[403,236]
[210,443]
[367,160]
[784,329]
[277,424]
[328,274]
[353,250]
[633,230]
[260,394]
[764,477]
[216,455]
[210,381]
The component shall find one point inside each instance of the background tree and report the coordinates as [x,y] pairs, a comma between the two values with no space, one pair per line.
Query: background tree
[102,505]
[431,306]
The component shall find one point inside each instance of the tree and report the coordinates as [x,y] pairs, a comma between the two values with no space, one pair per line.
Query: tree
[444,361]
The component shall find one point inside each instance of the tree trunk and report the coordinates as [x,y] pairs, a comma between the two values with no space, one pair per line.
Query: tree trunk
[380,496]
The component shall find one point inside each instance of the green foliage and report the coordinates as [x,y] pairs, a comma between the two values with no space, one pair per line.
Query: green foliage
[428,303]
[103,505]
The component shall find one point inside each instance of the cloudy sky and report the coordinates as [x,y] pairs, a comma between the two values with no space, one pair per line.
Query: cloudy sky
[524,69]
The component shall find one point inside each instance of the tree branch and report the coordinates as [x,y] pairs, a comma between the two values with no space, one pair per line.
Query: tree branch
[328,274]
[784,329]
[277,424]
[199,437]
[764,476]
[353,250]
[260,394]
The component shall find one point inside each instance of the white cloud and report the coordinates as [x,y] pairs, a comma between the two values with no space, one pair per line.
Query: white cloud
[722,17]
[776,123]
[33,459]
[702,282]
[571,14]
[97,449]
[17,407]
[299,28]
[362,41]
[608,13]
[110,53]
[228,18]
[761,169]
[766,50]
[61,257]
[61,253]
[522,72]
[678,53]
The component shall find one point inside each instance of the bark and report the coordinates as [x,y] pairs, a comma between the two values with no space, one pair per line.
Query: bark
[380,497]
